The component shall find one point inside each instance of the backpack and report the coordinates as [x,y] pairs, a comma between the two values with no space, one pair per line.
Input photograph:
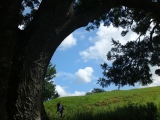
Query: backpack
[61,108]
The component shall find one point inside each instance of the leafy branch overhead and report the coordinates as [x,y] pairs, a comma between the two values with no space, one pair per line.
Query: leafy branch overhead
[132,61]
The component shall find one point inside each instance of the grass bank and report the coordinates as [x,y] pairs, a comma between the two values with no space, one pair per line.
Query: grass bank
[133,104]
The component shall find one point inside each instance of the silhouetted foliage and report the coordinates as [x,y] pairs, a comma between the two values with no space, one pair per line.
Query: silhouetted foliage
[131,62]
[95,90]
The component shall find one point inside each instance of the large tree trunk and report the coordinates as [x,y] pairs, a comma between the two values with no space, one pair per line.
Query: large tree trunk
[36,46]
[8,36]
[25,55]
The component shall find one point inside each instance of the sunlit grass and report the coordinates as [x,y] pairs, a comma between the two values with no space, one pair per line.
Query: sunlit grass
[105,104]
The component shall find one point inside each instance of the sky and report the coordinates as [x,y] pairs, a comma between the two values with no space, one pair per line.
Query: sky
[79,56]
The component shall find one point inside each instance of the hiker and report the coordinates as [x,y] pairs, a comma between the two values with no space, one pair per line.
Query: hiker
[60,109]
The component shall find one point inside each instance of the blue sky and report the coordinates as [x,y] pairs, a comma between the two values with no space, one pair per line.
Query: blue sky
[79,56]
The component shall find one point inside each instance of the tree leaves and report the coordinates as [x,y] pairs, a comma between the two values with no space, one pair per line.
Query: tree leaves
[49,91]
[131,62]
[130,65]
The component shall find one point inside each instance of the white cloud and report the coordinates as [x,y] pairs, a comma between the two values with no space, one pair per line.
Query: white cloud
[65,75]
[62,92]
[77,93]
[156,78]
[84,75]
[102,42]
[67,43]
[81,76]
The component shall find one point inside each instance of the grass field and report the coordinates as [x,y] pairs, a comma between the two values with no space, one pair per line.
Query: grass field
[115,105]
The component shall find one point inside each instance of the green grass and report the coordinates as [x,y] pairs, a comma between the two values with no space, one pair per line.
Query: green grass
[108,105]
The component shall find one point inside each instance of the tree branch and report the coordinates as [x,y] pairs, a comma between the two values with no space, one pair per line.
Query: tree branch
[51,16]
[146,5]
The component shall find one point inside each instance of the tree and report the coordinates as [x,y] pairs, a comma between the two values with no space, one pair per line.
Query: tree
[49,91]
[25,54]
[132,61]
[95,90]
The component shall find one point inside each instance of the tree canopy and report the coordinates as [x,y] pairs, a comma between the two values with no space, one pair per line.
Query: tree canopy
[132,61]
[95,90]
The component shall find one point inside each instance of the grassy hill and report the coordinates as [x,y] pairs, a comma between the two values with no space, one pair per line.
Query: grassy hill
[114,105]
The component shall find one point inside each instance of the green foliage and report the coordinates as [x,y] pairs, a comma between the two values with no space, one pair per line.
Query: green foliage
[51,72]
[114,105]
[49,91]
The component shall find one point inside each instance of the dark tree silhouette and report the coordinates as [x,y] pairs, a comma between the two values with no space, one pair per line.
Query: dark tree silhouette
[132,61]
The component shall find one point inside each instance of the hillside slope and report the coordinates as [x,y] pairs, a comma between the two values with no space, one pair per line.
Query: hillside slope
[104,101]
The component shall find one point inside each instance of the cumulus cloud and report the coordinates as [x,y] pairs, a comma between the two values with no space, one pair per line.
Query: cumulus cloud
[102,42]
[81,76]
[84,75]
[62,92]
[67,43]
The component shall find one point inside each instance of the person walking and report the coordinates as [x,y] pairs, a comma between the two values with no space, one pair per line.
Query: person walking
[60,109]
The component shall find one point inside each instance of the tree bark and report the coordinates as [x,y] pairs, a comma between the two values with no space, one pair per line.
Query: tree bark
[25,54]
[33,56]
[8,33]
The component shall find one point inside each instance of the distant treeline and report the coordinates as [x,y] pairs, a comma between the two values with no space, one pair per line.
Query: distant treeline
[95,90]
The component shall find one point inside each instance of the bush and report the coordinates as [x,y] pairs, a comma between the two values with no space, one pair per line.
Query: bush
[95,90]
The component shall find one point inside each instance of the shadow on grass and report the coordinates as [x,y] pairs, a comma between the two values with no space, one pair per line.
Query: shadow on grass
[131,111]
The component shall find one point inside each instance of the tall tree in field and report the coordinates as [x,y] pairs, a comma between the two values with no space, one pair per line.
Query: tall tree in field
[25,54]
[49,88]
